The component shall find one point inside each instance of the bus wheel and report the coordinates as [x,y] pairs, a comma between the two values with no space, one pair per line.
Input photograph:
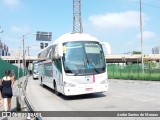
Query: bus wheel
[41,83]
[55,89]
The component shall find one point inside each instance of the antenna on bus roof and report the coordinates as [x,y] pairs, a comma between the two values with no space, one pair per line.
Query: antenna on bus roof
[77,20]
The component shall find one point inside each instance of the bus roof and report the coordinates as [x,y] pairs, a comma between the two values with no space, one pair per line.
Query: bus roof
[74,37]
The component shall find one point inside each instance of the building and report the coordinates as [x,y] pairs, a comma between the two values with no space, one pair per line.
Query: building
[156,50]
[4,49]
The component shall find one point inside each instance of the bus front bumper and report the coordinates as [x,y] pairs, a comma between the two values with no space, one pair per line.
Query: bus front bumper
[87,89]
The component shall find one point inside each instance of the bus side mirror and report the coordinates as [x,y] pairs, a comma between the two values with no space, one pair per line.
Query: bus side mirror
[57,52]
[60,50]
[106,48]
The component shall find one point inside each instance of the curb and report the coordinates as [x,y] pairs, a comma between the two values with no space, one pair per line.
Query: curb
[28,102]
[157,83]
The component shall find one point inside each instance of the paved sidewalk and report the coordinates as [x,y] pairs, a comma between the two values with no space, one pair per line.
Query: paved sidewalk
[14,104]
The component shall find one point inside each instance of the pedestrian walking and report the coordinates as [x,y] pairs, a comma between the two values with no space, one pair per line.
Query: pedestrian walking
[6,91]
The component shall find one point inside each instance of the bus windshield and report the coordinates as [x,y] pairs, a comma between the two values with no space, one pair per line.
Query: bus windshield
[83,58]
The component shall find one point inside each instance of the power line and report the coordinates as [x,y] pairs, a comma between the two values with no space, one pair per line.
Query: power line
[145,4]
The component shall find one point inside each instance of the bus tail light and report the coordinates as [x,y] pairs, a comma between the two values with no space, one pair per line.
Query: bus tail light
[67,84]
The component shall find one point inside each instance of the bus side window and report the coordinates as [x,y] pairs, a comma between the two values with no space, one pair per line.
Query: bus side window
[50,54]
[53,53]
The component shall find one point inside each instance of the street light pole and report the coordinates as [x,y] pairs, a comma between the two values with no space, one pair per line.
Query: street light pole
[24,62]
[141,36]
[28,56]
[23,37]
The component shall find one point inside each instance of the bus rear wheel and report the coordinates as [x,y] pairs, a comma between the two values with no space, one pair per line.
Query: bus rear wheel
[42,82]
[55,89]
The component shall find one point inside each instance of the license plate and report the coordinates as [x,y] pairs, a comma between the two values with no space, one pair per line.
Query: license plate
[89,89]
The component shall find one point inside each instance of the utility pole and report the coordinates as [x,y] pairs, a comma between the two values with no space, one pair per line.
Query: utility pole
[28,57]
[141,36]
[77,20]
[23,54]
[0,41]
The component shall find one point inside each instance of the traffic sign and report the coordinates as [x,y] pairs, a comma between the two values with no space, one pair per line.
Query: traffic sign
[43,36]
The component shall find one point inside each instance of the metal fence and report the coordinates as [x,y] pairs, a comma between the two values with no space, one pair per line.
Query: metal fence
[7,66]
[149,71]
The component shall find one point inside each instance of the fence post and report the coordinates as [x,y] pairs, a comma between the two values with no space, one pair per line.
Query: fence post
[149,71]
[138,72]
[128,71]
[113,71]
[120,72]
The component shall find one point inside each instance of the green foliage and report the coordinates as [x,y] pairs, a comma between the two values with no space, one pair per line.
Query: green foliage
[136,52]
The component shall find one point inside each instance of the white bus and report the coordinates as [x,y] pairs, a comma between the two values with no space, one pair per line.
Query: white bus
[35,74]
[73,65]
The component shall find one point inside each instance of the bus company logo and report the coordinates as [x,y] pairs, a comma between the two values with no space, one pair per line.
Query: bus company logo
[6,114]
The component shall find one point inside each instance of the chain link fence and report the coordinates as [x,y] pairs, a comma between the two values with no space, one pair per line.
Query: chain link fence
[149,71]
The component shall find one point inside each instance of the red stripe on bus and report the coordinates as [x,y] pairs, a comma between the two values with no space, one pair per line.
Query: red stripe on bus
[93,78]
[48,63]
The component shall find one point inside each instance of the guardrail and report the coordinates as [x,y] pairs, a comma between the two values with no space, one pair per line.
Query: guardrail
[28,105]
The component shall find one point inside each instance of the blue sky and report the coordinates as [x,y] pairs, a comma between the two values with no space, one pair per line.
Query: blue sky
[113,21]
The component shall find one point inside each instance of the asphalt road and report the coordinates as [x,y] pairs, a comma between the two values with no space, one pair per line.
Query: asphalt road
[123,95]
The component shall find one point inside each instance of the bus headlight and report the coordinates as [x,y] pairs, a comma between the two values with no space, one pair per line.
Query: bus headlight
[104,81]
[67,84]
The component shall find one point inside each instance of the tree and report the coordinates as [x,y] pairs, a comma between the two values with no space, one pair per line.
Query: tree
[136,52]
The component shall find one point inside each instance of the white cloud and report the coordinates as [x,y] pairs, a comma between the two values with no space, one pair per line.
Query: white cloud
[147,35]
[21,30]
[122,20]
[11,2]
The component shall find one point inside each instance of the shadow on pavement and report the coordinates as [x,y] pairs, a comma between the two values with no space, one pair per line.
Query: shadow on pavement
[76,97]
